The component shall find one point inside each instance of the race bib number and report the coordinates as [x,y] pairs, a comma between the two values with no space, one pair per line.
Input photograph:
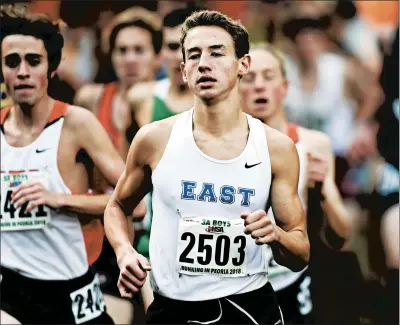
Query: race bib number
[88,302]
[212,246]
[15,218]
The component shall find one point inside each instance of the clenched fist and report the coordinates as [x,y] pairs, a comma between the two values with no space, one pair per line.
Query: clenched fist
[133,272]
[260,227]
[317,168]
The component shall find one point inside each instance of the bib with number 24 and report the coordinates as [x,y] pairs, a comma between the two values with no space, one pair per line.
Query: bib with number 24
[87,302]
[15,218]
[212,246]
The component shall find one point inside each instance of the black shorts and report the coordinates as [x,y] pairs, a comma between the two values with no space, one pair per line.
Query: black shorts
[107,269]
[31,301]
[380,203]
[256,307]
[295,301]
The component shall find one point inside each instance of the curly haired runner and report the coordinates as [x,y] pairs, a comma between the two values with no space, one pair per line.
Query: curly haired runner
[47,151]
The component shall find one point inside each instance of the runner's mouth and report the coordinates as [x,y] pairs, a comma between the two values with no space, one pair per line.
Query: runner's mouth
[261,101]
[19,87]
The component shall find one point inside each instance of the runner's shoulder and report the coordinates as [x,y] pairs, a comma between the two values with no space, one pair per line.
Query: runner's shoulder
[281,148]
[77,117]
[158,131]
[155,134]
[278,141]
[151,140]
[315,140]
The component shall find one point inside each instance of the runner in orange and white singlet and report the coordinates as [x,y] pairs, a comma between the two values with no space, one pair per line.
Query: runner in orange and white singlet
[263,91]
[133,40]
[134,45]
[50,225]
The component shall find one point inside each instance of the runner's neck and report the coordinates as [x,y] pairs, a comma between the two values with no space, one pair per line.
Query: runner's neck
[122,87]
[218,119]
[34,116]
[278,122]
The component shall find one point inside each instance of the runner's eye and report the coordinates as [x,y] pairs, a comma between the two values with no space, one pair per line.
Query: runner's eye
[33,59]
[12,61]
[173,46]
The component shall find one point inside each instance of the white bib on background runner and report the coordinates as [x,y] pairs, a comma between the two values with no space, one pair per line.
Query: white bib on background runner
[198,248]
[13,219]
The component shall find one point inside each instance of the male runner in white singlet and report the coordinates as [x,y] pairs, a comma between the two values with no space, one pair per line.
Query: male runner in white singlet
[47,151]
[263,91]
[211,171]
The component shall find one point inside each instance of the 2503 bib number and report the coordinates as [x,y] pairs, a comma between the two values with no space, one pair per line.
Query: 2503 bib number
[212,246]
[221,253]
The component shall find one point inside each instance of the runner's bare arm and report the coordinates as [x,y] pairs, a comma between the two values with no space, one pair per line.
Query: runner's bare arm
[337,229]
[140,99]
[363,87]
[88,96]
[138,93]
[292,248]
[134,184]
[86,133]
[91,137]
[99,186]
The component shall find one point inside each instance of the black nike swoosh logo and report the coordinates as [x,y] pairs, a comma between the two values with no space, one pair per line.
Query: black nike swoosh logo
[250,166]
[40,151]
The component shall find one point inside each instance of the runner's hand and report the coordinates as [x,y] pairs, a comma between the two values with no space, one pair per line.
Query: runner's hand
[37,194]
[317,169]
[260,227]
[133,272]
[363,144]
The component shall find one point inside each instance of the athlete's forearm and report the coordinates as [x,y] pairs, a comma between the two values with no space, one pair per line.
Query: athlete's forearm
[117,229]
[338,228]
[131,229]
[91,205]
[147,294]
[292,249]
[370,102]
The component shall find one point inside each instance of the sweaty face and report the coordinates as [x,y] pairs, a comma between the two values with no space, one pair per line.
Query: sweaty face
[263,88]
[211,69]
[133,56]
[172,53]
[25,67]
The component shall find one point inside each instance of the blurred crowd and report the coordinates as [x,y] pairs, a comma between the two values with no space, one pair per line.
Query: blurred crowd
[335,54]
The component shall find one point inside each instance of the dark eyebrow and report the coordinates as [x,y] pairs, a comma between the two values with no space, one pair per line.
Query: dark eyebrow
[217,47]
[212,47]
[27,55]
[12,55]
[33,55]
[193,49]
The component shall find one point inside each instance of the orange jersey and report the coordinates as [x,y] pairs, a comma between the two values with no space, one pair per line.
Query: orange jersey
[104,113]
